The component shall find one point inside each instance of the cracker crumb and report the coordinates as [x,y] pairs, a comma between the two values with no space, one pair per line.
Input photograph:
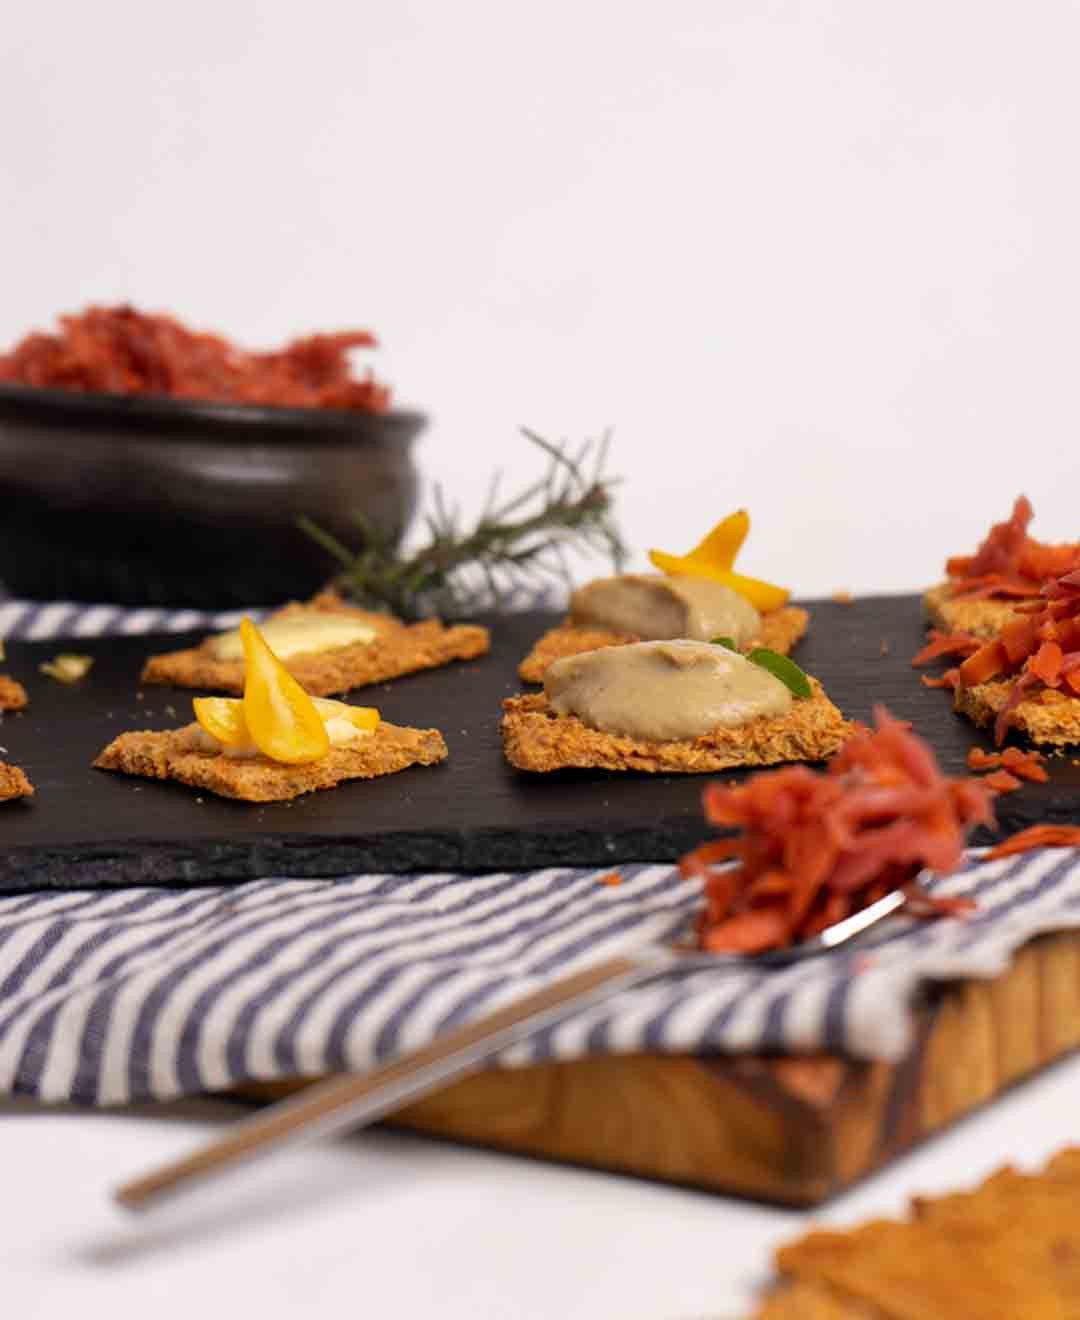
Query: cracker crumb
[842,598]
[67,668]
[884,648]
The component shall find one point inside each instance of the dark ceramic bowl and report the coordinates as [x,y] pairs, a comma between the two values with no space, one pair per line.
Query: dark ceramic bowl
[147,501]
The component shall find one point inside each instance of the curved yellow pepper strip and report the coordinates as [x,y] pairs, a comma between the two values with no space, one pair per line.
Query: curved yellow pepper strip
[714,558]
[364,718]
[223,717]
[281,718]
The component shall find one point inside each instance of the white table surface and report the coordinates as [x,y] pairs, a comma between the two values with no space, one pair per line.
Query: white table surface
[383,1225]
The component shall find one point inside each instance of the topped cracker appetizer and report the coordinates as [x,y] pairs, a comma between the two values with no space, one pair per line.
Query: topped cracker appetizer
[982,590]
[276,743]
[1028,676]
[327,645]
[677,706]
[697,596]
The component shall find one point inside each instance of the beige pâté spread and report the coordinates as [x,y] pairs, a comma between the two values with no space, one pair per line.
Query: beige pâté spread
[664,690]
[655,607]
[299,634]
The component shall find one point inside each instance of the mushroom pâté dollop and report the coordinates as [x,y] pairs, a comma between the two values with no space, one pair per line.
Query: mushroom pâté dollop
[664,690]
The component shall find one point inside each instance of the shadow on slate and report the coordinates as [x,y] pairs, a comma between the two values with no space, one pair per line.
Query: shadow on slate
[88,828]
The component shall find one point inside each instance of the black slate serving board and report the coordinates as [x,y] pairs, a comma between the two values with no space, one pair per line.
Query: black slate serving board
[89,828]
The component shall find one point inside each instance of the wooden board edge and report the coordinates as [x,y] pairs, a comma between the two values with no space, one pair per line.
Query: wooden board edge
[793,1130]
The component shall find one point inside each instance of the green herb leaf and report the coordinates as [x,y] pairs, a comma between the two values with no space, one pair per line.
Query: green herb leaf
[787,671]
[727,642]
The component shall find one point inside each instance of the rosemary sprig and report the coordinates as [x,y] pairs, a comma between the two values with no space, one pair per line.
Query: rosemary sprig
[522,540]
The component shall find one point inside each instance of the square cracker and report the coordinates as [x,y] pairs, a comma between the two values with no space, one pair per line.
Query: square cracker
[535,738]
[1046,716]
[985,616]
[13,783]
[804,1299]
[780,630]
[1007,1250]
[179,754]
[12,694]
[398,648]
[915,1271]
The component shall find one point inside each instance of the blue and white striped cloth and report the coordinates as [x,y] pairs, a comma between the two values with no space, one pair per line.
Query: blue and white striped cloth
[106,998]
[150,993]
[37,621]
[31,621]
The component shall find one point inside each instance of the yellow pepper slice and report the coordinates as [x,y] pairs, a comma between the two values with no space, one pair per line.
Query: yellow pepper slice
[714,558]
[281,718]
[363,717]
[223,719]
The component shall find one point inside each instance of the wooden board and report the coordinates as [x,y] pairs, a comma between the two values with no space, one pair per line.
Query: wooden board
[795,1131]
[474,813]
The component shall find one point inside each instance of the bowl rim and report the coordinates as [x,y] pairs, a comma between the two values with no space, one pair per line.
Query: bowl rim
[95,405]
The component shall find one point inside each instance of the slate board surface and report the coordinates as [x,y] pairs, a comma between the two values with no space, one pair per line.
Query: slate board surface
[86,827]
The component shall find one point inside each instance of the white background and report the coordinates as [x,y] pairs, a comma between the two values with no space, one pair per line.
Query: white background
[384,1226]
[816,259]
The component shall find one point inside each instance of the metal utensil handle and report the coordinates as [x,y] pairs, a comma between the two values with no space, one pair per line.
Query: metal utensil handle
[349,1102]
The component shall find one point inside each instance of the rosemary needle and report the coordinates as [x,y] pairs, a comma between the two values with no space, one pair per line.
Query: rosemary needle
[522,539]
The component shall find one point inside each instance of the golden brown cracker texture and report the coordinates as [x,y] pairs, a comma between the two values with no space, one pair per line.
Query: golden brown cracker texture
[984,617]
[12,694]
[13,783]
[1008,1249]
[780,630]
[565,640]
[805,1300]
[179,754]
[1046,716]
[535,738]
[398,648]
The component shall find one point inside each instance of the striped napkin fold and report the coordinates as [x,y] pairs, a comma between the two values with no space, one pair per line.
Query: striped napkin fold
[150,993]
[108,997]
[38,621]
[32,621]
